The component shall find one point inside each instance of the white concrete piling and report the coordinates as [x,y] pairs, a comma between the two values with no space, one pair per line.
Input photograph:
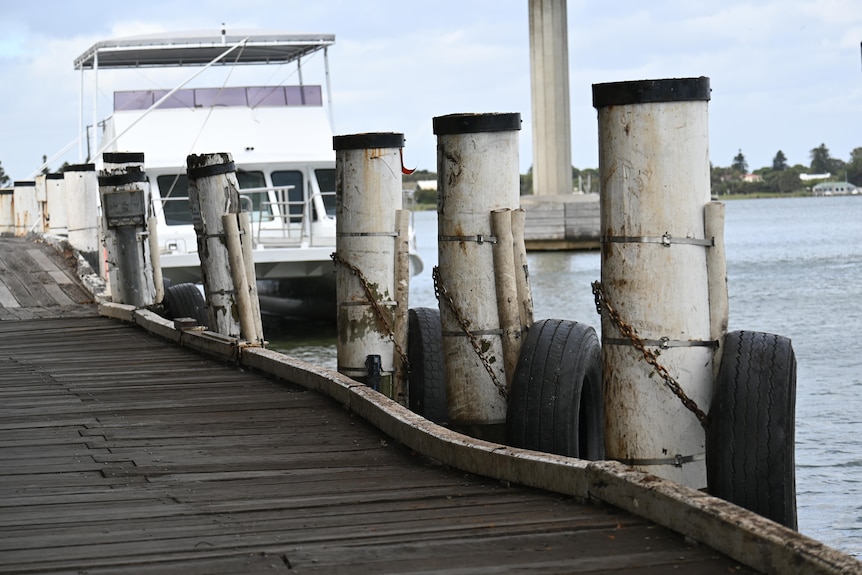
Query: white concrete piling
[82,211]
[125,199]
[55,189]
[7,211]
[477,172]
[654,165]
[368,195]
[27,214]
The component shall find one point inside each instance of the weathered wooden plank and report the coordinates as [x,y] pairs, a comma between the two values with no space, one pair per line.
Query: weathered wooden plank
[193,466]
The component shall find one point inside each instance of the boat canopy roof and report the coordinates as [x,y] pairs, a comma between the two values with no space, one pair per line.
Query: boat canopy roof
[199,48]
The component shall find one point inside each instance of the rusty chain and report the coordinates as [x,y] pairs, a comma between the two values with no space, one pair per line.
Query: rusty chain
[375,305]
[440,291]
[649,356]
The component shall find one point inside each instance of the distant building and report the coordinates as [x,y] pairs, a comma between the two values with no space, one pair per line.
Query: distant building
[752,178]
[809,177]
[835,189]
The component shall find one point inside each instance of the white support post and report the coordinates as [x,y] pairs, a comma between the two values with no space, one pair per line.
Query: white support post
[477,173]
[82,211]
[368,195]
[654,165]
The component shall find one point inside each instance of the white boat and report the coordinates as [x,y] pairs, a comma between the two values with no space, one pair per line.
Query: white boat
[280,137]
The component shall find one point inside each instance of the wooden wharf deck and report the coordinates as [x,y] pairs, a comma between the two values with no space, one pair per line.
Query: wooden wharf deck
[122,453]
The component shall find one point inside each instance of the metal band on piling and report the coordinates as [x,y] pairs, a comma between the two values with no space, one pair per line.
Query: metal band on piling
[665,240]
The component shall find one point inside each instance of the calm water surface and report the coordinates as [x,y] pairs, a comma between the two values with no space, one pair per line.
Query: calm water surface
[794,269]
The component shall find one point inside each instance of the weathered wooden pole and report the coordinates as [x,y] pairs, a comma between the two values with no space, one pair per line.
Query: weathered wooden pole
[56,206]
[716,268]
[522,272]
[506,290]
[368,195]
[477,172]
[247,246]
[654,165]
[82,212]
[125,195]
[402,303]
[214,192]
[41,226]
[27,216]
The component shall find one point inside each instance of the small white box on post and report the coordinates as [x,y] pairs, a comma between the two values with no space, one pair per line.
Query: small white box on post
[477,173]
[368,195]
[125,196]
[654,290]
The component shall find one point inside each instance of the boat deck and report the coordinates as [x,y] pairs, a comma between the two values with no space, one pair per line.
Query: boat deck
[121,452]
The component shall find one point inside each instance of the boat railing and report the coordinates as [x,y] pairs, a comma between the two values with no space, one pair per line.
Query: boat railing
[278,221]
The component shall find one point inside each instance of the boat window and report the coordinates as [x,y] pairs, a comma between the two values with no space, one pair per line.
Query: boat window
[261,209]
[295,198]
[174,191]
[326,183]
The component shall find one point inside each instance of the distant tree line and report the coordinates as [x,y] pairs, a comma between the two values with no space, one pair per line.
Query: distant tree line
[781,178]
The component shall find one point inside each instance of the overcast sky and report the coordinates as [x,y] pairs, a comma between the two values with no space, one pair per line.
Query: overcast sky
[785,74]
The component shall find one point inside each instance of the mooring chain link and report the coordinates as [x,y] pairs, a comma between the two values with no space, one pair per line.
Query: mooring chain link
[441,292]
[649,355]
[375,305]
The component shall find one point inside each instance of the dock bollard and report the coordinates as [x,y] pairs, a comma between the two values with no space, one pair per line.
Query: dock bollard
[214,198]
[654,165]
[82,211]
[56,207]
[27,214]
[7,214]
[368,195]
[477,173]
[125,196]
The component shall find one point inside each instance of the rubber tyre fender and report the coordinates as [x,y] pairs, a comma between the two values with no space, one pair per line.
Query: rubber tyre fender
[185,300]
[427,378]
[750,457]
[556,403]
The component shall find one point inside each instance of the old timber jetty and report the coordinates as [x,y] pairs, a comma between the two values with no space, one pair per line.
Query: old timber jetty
[130,446]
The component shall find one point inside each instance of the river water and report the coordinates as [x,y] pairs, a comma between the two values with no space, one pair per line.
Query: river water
[794,269]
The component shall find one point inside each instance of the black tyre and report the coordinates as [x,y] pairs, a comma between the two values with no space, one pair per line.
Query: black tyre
[556,403]
[750,436]
[185,300]
[427,380]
